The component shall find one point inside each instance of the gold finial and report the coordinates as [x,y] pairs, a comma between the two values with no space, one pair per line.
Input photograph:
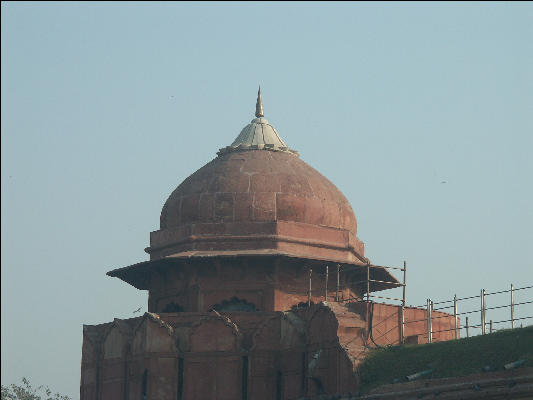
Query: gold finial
[259,105]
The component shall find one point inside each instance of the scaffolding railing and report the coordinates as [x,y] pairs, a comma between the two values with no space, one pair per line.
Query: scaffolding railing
[452,305]
[481,311]
[366,289]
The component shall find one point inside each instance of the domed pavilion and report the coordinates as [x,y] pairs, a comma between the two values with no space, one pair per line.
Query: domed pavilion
[249,225]
[255,284]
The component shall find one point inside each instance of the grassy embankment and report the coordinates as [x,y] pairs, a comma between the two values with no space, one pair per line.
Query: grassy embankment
[447,359]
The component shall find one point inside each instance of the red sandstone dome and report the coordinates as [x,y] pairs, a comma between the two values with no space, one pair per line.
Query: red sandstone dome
[258,186]
[257,196]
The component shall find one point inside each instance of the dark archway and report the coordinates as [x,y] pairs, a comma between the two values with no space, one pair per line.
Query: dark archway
[235,304]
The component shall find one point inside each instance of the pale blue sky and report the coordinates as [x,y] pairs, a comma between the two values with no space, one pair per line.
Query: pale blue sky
[107,107]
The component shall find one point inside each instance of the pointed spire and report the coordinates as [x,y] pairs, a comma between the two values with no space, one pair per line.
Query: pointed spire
[259,105]
[258,135]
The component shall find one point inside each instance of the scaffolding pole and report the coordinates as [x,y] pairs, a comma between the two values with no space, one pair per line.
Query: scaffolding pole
[338,282]
[455,315]
[309,291]
[429,305]
[368,282]
[483,311]
[326,292]
[402,331]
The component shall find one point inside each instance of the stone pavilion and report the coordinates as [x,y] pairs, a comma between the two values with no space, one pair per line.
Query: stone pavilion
[239,301]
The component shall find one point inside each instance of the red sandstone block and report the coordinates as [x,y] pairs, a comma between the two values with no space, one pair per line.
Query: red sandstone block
[319,252]
[113,369]
[261,365]
[198,379]
[291,362]
[112,390]
[332,214]
[262,182]
[88,375]
[320,190]
[292,386]
[290,207]
[229,183]
[224,207]
[243,206]
[296,185]
[207,207]
[228,378]
[256,164]
[231,166]
[190,208]
[251,227]
[264,206]
[314,213]
[307,231]
[262,388]
[218,228]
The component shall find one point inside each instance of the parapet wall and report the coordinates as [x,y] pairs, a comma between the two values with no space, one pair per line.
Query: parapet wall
[235,355]
[386,324]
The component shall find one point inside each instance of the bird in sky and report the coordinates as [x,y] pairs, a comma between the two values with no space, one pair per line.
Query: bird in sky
[137,310]
[444,182]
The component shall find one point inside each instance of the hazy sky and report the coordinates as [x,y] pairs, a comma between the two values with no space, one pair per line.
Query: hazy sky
[107,107]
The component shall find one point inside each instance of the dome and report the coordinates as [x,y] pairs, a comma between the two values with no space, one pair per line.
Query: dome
[257,196]
[258,186]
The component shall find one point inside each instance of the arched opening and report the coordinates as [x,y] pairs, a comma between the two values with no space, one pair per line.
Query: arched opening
[234,304]
[172,307]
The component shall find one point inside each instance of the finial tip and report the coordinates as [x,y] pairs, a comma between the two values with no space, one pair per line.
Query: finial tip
[259,105]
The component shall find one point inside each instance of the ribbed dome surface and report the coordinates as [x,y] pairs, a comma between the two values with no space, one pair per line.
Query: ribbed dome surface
[259,131]
[258,135]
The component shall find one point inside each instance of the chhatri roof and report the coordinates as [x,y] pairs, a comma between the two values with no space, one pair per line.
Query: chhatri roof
[251,203]
[258,135]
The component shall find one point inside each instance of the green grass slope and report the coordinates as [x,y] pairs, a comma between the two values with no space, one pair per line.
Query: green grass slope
[447,359]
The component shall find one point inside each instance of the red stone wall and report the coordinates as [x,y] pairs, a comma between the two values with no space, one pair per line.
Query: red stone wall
[263,354]
[386,323]
[238,355]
